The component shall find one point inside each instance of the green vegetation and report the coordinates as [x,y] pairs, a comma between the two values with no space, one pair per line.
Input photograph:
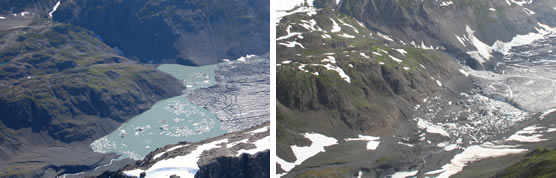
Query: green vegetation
[326,172]
[540,163]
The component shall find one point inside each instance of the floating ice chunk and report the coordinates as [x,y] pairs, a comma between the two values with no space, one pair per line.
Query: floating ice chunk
[2,18]
[492,9]
[406,68]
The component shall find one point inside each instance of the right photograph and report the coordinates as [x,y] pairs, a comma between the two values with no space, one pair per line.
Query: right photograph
[416,88]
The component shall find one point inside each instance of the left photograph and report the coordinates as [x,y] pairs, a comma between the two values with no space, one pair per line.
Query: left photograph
[142,88]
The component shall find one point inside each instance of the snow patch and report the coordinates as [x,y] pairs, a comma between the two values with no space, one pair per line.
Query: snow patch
[335,27]
[446,3]
[386,37]
[372,142]
[544,114]
[319,142]
[54,9]
[364,55]
[291,44]
[483,50]
[183,166]
[401,51]
[345,35]
[464,72]
[475,153]
[404,174]
[395,59]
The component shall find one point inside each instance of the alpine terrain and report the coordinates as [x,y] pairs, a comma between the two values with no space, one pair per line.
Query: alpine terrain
[409,88]
[88,86]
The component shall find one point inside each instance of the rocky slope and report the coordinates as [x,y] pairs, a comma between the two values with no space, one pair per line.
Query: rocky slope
[452,24]
[538,163]
[184,32]
[61,85]
[384,75]
[350,81]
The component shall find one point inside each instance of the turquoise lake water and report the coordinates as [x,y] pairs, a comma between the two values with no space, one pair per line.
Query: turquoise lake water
[168,121]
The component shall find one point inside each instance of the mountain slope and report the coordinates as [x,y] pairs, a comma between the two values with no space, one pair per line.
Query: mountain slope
[454,24]
[62,86]
[189,32]
[374,89]
[340,79]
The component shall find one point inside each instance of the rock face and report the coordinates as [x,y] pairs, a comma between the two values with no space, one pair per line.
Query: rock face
[62,80]
[186,32]
[437,24]
[246,166]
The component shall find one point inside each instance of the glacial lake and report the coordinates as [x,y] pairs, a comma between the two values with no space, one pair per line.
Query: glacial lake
[169,121]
